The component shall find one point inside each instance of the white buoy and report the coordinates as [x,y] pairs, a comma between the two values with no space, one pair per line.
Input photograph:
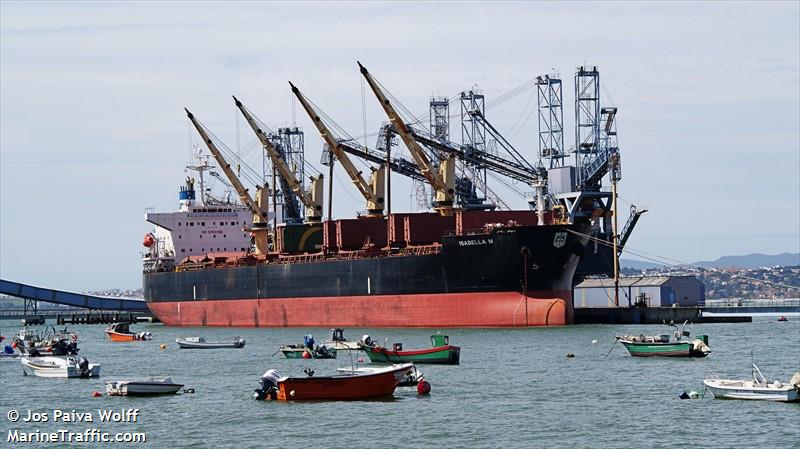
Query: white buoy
[594,342]
[291,393]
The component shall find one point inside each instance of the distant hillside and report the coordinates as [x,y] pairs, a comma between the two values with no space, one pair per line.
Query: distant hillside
[747,261]
[752,261]
[638,264]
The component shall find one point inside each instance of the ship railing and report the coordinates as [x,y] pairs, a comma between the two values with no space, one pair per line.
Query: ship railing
[422,250]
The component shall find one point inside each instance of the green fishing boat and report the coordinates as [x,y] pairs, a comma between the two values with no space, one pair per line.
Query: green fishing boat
[664,346]
[442,352]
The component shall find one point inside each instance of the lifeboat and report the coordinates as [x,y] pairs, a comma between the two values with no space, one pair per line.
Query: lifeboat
[149,240]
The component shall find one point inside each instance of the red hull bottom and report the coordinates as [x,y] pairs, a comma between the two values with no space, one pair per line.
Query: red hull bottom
[493,309]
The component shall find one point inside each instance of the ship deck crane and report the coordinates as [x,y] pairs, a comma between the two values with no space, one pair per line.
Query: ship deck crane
[312,200]
[442,180]
[258,206]
[372,192]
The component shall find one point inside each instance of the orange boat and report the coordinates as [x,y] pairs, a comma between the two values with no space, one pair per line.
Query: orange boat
[122,332]
[343,387]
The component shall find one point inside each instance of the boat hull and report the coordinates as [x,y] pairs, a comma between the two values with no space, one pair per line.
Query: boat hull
[297,353]
[685,349]
[496,309]
[520,276]
[141,388]
[343,387]
[183,344]
[43,368]
[731,389]
[443,355]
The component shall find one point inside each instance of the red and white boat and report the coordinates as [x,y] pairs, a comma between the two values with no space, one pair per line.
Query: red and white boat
[122,332]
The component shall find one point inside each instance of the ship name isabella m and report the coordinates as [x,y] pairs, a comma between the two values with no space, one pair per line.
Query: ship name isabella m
[469,261]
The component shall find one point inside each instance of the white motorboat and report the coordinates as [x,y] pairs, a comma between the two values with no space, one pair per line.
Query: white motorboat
[338,342]
[202,343]
[411,378]
[150,387]
[59,367]
[759,388]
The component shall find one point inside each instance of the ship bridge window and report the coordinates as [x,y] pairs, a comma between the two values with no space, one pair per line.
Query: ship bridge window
[179,223]
[191,224]
[203,223]
[183,250]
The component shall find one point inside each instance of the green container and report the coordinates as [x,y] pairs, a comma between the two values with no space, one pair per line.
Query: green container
[302,238]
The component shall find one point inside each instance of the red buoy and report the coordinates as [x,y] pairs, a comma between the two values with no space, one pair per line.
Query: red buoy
[423,387]
[96,394]
[306,355]
[149,240]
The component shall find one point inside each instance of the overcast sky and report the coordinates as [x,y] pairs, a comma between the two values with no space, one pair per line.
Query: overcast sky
[92,128]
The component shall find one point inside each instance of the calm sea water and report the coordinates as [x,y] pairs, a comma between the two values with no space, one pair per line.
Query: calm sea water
[514,388]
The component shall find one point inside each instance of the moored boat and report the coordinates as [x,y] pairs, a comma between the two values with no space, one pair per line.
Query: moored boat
[338,342]
[664,346]
[202,343]
[342,387]
[150,387]
[59,367]
[49,342]
[307,350]
[442,352]
[301,351]
[759,388]
[122,332]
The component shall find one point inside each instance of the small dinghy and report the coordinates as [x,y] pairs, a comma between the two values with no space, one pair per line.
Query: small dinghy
[343,387]
[202,343]
[122,332]
[150,387]
[759,388]
[59,367]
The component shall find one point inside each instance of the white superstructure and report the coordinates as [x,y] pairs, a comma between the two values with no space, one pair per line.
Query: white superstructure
[199,227]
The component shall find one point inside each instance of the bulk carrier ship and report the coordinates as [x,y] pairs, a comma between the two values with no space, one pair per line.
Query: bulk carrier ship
[466,264]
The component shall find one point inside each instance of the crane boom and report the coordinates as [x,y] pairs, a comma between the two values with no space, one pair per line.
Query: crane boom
[372,192]
[258,207]
[313,208]
[444,192]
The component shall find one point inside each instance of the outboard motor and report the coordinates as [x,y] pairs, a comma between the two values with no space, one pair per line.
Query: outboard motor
[367,340]
[83,367]
[268,387]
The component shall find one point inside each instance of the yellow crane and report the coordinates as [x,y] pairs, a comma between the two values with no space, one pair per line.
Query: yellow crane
[443,179]
[258,206]
[372,192]
[312,199]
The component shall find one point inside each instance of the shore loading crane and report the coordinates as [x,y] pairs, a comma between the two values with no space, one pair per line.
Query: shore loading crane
[373,192]
[443,179]
[259,206]
[312,199]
